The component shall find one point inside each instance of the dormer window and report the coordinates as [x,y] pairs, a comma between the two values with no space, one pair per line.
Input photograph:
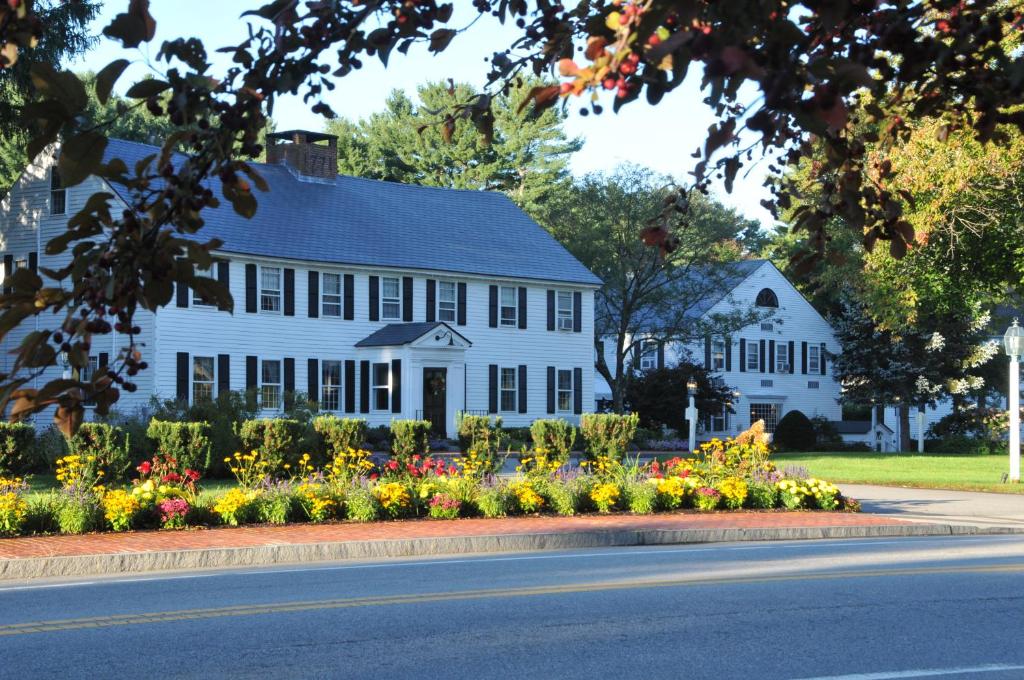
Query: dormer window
[767,298]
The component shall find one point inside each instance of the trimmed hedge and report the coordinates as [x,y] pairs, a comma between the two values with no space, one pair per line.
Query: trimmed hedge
[340,434]
[409,437]
[188,443]
[554,435]
[16,442]
[795,432]
[608,434]
[277,440]
[110,445]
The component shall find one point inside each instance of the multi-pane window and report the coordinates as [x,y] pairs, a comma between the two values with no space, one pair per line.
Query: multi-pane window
[563,310]
[381,386]
[508,389]
[508,305]
[813,384]
[270,385]
[564,392]
[332,295]
[718,355]
[58,194]
[782,358]
[720,421]
[446,300]
[202,379]
[813,359]
[751,355]
[769,413]
[197,299]
[767,327]
[390,298]
[648,355]
[86,374]
[330,389]
[270,289]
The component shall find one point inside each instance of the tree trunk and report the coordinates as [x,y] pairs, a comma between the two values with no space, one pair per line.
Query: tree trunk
[904,415]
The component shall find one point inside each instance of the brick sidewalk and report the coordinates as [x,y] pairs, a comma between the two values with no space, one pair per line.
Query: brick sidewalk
[304,534]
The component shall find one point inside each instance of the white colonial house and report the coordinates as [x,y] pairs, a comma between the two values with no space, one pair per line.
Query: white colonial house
[773,367]
[380,300]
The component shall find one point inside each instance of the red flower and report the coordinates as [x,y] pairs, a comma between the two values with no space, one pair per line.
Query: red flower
[172,477]
[416,456]
[192,475]
[392,465]
[145,467]
[373,477]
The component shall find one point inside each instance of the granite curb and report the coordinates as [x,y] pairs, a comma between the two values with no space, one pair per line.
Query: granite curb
[264,555]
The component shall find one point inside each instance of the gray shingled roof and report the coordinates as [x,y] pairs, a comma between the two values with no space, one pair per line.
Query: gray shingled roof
[384,224]
[855,426]
[396,334]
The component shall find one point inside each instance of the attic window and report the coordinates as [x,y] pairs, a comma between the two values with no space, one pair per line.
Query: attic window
[58,194]
[767,298]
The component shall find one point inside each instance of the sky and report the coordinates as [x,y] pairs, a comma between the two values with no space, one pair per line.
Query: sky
[661,137]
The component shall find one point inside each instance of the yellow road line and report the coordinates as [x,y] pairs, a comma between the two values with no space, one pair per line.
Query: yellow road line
[384,600]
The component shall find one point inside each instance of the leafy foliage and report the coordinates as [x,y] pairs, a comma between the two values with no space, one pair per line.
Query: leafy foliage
[16,445]
[409,438]
[276,440]
[659,396]
[607,435]
[795,432]
[187,443]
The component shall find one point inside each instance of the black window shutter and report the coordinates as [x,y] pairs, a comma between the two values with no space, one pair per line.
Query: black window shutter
[350,297]
[792,357]
[551,389]
[577,312]
[250,288]
[289,292]
[251,373]
[822,361]
[761,357]
[492,388]
[461,304]
[493,311]
[771,356]
[183,377]
[289,375]
[661,354]
[728,353]
[522,389]
[522,307]
[313,379]
[431,300]
[104,360]
[374,299]
[707,352]
[9,269]
[551,310]
[396,385]
[33,261]
[743,355]
[577,390]
[314,295]
[224,273]
[181,294]
[406,298]
[350,386]
[364,386]
[803,357]
[223,373]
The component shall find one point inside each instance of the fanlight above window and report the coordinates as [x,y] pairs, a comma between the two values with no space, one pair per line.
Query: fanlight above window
[767,298]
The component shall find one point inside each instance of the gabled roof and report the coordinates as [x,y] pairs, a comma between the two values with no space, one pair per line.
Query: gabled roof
[397,334]
[373,223]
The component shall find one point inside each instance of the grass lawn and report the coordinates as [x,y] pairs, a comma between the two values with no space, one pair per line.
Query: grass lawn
[935,471]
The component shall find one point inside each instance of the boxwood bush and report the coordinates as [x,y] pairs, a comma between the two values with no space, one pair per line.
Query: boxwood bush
[339,434]
[16,446]
[189,443]
[409,437]
[277,440]
[109,444]
[608,434]
[795,432]
[554,435]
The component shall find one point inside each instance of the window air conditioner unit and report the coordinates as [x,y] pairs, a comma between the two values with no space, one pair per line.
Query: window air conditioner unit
[565,324]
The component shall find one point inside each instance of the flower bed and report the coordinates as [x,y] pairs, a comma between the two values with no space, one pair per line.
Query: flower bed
[723,475]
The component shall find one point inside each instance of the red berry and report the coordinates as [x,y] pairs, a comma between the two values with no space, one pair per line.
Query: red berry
[609,83]
[565,88]
[653,40]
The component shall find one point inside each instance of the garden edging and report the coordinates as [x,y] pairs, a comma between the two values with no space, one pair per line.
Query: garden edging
[262,555]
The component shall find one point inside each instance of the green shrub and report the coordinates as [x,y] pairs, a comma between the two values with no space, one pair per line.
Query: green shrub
[108,444]
[608,434]
[276,506]
[79,513]
[378,438]
[762,495]
[134,426]
[513,438]
[49,447]
[41,517]
[641,496]
[201,513]
[188,443]
[16,445]
[224,414]
[483,435]
[340,434]
[494,501]
[554,435]
[277,440]
[361,505]
[795,432]
[409,437]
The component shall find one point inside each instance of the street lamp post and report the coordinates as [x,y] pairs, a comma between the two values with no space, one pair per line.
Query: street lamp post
[920,428]
[691,412]
[1013,341]
[899,425]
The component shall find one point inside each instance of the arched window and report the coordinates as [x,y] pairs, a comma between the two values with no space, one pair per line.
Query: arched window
[767,298]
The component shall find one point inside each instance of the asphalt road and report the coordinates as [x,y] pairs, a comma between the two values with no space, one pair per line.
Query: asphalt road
[940,505]
[857,610]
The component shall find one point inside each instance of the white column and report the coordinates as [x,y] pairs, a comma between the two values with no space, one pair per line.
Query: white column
[1014,420]
[920,430]
[691,416]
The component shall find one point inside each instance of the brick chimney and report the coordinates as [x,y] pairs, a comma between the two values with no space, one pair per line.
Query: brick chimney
[305,153]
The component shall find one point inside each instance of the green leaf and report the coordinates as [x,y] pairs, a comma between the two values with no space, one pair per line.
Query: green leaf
[147,88]
[440,38]
[63,86]
[106,78]
[80,156]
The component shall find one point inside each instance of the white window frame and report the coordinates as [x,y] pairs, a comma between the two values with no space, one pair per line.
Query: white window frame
[508,391]
[648,354]
[57,189]
[267,295]
[197,382]
[447,307]
[561,391]
[511,321]
[330,392]
[265,385]
[720,421]
[770,422]
[718,354]
[782,358]
[198,301]
[813,359]
[330,303]
[386,300]
[378,388]
[564,313]
[753,356]
[85,375]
